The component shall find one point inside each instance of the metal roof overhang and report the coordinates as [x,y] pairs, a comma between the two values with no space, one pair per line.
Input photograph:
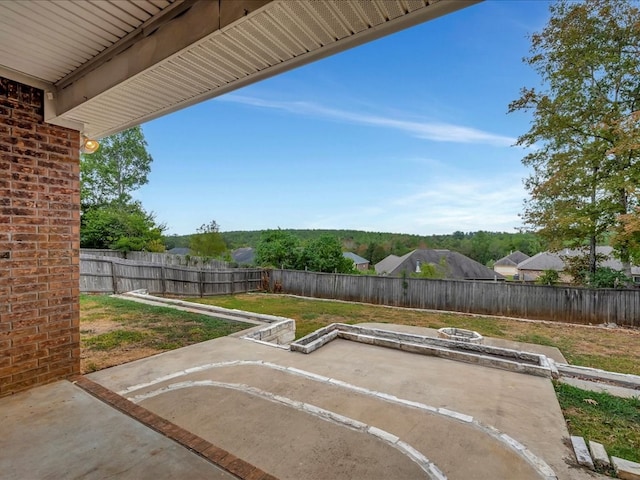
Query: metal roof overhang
[107,65]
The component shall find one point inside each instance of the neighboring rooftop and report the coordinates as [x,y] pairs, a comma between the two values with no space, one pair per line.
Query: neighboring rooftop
[244,256]
[452,265]
[512,259]
[554,260]
[357,259]
[180,251]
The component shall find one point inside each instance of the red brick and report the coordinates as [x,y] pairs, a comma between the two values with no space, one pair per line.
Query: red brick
[39,243]
[9,388]
[29,339]
[19,367]
[17,332]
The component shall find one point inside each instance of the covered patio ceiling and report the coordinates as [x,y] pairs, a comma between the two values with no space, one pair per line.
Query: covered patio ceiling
[106,65]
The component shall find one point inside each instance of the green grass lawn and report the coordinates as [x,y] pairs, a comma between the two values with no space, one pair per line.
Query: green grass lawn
[603,418]
[114,330]
[609,349]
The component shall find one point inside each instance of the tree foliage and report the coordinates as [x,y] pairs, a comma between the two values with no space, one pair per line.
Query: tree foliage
[109,216]
[278,249]
[583,141]
[207,241]
[375,246]
[324,254]
[120,166]
[119,226]
[548,277]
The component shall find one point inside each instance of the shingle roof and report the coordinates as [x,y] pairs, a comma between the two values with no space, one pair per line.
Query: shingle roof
[453,265]
[388,264]
[244,255]
[553,260]
[512,259]
[357,259]
[180,251]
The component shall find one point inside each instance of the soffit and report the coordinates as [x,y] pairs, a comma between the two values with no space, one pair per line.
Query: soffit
[48,40]
[57,41]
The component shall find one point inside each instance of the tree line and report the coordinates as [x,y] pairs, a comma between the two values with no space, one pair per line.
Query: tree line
[484,247]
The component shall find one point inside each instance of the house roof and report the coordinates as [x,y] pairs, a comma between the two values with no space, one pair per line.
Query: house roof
[388,264]
[111,64]
[180,251]
[244,255]
[512,260]
[453,265]
[553,260]
[357,259]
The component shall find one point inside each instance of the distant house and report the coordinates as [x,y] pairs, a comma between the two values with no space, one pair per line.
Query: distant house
[359,262]
[508,266]
[180,251]
[244,256]
[535,266]
[451,265]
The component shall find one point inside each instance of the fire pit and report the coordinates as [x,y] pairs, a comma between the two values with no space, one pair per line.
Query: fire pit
[460,335]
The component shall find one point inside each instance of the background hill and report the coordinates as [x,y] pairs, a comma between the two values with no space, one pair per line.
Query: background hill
[484,247]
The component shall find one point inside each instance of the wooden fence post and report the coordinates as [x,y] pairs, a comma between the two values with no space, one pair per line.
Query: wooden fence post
[201,282]
[114,277]
[163,280]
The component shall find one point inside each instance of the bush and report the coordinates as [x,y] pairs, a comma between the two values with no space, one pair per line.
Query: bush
[606,277]
[548,277]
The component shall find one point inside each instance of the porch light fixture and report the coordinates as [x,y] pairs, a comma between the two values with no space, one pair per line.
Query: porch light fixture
[88,145]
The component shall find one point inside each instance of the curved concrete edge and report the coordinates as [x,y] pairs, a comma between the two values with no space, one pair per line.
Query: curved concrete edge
[221,458]
[432,471]
[543,469]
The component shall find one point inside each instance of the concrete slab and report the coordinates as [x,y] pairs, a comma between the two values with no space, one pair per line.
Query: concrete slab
[60,431]
[582,452]
[599,454]
[551,352]
[625,469]
[522,407]
[592,386]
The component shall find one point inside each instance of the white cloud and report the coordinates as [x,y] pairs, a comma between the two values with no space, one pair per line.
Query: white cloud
[439,207]
[435,131]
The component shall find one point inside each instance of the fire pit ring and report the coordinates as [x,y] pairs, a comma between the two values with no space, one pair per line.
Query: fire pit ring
[460,335]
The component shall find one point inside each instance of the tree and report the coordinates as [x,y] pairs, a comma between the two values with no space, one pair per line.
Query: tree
[121,227]
[324,254]
[583,138]
[207,241]
[278,248]
[120,166]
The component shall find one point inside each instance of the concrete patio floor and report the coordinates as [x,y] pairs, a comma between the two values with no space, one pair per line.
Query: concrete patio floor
[59,431]
[346,411]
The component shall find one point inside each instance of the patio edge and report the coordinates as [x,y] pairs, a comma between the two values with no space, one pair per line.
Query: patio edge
[205,449]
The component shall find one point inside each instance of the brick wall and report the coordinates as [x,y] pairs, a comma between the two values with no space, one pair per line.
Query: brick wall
[39,243]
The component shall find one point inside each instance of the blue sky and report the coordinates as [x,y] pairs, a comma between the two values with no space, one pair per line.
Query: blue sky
[407,134]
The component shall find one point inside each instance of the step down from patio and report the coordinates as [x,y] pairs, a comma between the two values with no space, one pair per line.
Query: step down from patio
[599,454]
[582,452]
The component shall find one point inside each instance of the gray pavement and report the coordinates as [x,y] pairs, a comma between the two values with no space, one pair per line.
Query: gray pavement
[59,431]
[279,440]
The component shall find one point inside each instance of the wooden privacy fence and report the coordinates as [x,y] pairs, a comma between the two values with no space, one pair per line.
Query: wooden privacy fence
[561,304]
[168,259]
[114,275]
